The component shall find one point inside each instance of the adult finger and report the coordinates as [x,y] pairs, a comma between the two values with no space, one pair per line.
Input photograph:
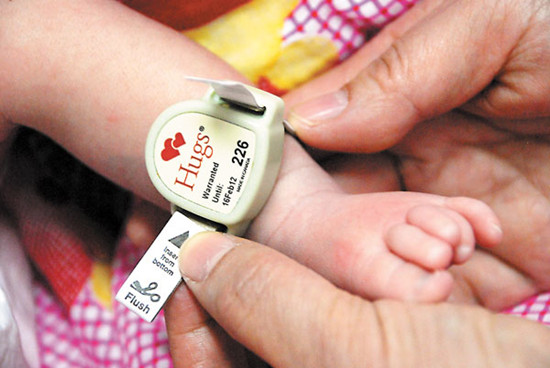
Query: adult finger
[438,64]
[344,72]
[196,340]
[292,317]
[241,293]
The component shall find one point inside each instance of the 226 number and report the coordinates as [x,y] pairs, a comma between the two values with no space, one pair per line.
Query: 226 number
[239,153]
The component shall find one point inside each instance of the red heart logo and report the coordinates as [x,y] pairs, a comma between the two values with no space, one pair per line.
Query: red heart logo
[169,152]
[178,141]
[170,145]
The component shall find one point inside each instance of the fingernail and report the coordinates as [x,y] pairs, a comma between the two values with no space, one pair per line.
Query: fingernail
[319,109]
[201,253]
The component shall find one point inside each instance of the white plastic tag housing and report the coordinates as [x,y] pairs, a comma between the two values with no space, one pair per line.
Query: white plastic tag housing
[218,158]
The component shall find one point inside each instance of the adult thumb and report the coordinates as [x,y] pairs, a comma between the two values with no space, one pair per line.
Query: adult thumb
[278,309]
[291,317]
[437,65]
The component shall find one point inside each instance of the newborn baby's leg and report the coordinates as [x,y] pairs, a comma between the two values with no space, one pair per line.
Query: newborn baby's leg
[395,244]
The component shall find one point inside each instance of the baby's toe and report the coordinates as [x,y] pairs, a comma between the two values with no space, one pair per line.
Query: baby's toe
[415,246]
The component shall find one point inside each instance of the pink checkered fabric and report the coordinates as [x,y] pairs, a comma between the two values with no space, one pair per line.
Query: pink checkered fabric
[345,22]
[91,336]
[536,308]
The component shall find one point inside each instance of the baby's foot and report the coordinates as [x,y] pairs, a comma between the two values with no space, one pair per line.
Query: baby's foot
[393,245]
[461,155]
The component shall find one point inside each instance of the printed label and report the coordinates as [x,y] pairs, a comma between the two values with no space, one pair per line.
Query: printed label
[205,160]
[157,274]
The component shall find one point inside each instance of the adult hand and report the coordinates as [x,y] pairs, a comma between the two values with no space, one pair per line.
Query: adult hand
[460,154]
[291,317]
[487,60]
[489,57]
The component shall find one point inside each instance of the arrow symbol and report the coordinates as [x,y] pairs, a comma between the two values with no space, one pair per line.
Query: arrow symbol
[180,239]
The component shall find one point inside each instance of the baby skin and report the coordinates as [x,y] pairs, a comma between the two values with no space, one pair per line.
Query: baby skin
[377,245]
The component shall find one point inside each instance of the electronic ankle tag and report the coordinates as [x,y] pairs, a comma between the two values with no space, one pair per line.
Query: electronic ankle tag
[216,161]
